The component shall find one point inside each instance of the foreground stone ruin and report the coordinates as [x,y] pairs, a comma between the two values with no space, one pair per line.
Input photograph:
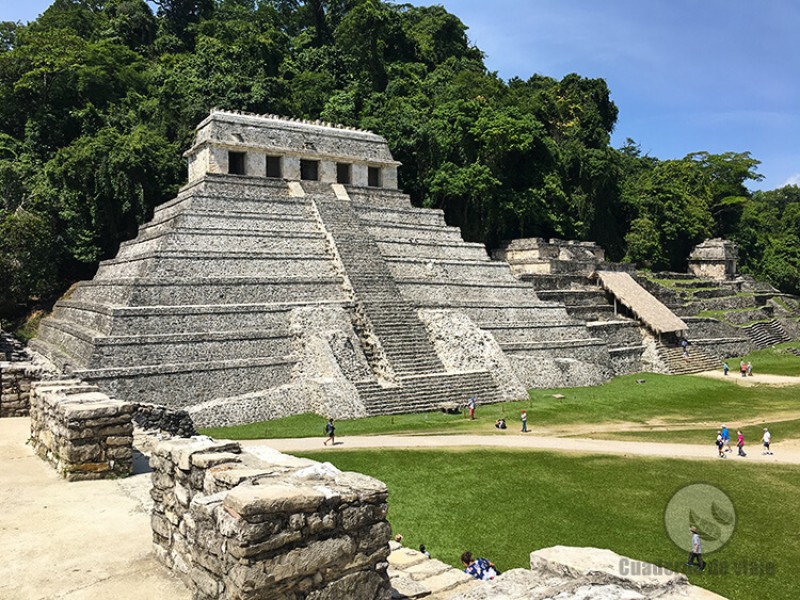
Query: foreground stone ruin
[291,275]
[235,526]
[82,432]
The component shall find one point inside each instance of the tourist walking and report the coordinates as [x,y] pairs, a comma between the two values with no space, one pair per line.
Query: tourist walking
[725,368]
[720,444]
[766,439]
[743,368]
[749,368]
[330,430]
[726,438]
[696,553]
[479,568]
[524,416]
[685,346]
[471,406]
[740,442]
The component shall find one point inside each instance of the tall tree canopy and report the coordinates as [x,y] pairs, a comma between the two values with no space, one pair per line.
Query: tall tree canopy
[98,98]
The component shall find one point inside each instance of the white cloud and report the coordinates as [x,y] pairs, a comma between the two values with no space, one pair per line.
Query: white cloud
[793,180]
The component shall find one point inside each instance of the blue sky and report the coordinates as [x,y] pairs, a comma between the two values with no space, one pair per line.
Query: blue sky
[686,75]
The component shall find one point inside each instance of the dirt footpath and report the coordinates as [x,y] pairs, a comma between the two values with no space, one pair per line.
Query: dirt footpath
[532,441]
[84,540]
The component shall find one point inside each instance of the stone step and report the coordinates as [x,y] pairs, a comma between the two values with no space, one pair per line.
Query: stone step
[234,203]
[392,248]
[183,384]
[149,320]
[193,263]
[230,222]
[555,346]
[416,394]
[224,240]
[697,360]
[222,290]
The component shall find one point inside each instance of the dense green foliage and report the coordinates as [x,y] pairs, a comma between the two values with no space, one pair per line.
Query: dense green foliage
[98,98]
[505,504]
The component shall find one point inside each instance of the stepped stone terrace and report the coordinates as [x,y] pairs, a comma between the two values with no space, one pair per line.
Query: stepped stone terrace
[291,275]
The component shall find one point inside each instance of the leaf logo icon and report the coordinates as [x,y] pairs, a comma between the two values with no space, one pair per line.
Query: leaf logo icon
[721,515]
[706,528]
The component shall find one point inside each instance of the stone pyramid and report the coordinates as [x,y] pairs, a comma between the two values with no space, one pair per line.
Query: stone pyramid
[290,275]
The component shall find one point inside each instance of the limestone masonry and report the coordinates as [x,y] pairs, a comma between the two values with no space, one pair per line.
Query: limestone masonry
[291,275]
[233,525]
[82,432]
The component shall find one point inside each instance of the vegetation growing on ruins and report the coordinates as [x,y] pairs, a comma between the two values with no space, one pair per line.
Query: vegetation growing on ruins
[98,98]
[505,504]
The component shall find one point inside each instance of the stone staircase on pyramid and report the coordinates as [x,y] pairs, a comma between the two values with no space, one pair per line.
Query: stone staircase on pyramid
[696,361]
[766,333]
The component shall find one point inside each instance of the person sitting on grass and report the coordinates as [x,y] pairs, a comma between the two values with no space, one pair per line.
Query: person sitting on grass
[479,568]
[500,424]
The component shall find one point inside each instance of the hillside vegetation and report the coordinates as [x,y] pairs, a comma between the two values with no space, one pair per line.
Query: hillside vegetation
[99,98]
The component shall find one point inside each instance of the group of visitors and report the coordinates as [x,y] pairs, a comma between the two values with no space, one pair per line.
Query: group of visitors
[723,441]
[745,368]
[500,423]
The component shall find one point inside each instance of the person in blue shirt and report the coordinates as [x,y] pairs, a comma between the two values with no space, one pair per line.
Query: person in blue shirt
[726,438]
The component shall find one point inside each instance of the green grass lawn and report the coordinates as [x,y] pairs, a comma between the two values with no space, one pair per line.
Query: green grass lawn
[775,360]
[673,398]
[505,504]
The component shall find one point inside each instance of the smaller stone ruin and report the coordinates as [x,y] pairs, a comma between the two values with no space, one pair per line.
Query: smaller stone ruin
[714,259]
[550,257]
[82,432]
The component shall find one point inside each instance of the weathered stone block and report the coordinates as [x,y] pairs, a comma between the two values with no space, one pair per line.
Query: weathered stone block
[253,500]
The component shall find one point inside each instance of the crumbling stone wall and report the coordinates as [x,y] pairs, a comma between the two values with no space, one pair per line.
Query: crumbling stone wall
[233,525]
[82,432]
[155,417]
[15,386]
[11,349]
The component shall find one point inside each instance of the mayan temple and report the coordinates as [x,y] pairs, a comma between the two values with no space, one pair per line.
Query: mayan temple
[290,274]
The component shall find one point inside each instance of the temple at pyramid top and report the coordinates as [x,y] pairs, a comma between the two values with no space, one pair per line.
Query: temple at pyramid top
[274,147]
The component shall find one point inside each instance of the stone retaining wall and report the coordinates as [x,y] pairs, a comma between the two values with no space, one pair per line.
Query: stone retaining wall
[83,433]
[16,378]
[234,525]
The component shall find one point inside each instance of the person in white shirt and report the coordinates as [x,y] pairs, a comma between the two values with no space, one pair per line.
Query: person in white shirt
[766,440]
